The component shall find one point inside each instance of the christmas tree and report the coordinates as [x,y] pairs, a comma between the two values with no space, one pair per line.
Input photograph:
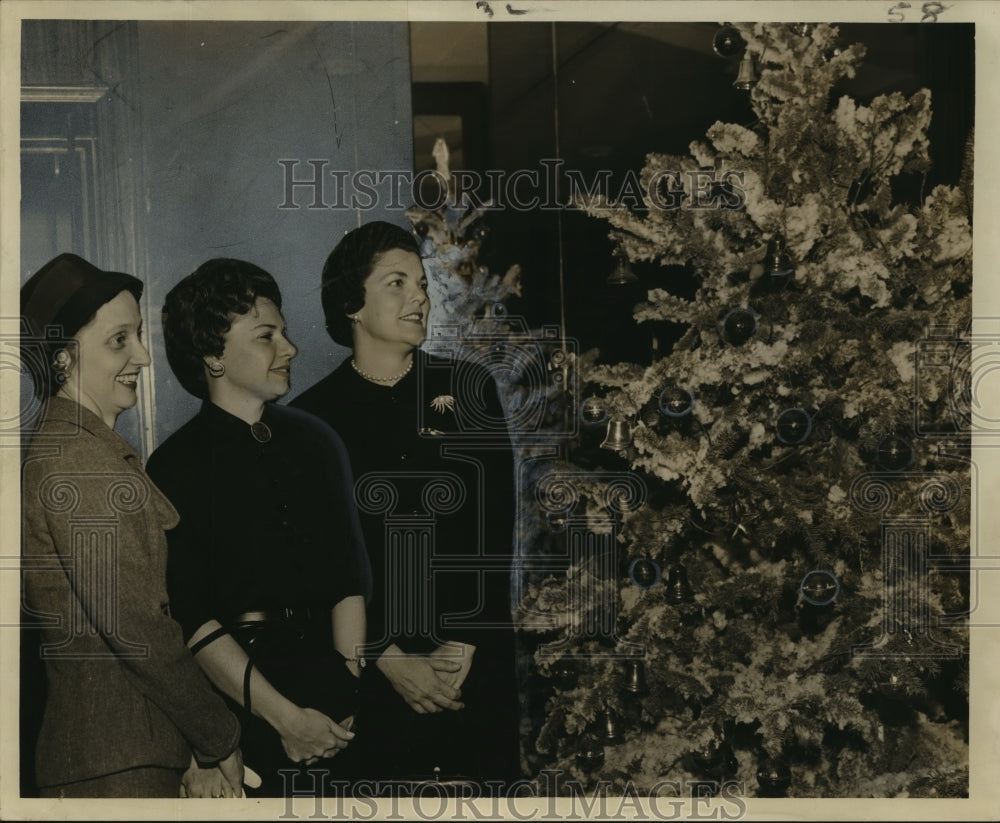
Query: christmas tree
[461,289]
[777,599]
[469,320]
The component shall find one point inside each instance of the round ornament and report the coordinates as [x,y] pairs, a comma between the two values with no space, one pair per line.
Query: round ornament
[593,411]
[894,453]
[739,325]
[591,754]
[793,426]
[644,573]
[894,688]
[819,587]
[556,521]
[773,777]
[564,675]
[728,42]
[676,402]
[494,310]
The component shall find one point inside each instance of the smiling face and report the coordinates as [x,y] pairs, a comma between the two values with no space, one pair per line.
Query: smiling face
[396,304]
[110,354]
[257,358]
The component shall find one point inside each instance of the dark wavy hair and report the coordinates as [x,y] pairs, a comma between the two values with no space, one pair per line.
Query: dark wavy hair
[347,268]
[198,312]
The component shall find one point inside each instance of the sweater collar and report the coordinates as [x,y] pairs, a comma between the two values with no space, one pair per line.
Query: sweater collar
[234,428]
[369,389]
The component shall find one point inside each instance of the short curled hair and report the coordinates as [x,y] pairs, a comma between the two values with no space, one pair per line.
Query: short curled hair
[347,268]
[198,312]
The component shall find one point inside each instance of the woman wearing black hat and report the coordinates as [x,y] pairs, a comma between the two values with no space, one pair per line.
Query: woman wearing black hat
[126,703]
[268,571]
[434,469]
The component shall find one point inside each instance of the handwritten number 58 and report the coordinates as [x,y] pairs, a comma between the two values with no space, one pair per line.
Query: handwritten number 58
[930,11]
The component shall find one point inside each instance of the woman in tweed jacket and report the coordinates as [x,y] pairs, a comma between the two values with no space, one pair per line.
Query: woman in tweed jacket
[126,704]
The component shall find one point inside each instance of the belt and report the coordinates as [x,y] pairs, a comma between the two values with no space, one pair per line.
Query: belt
[297,615]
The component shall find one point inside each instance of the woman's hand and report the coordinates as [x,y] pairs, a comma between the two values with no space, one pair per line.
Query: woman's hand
[415,678]
[210,782]
[307,735]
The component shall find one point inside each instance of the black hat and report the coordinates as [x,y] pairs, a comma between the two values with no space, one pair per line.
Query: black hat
[60,299]
[67,292]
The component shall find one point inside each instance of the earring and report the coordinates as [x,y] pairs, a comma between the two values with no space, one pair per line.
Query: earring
[216,369]
[60,365]
[355,319]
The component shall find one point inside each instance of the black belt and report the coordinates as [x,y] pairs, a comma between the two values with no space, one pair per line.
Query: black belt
[296,615]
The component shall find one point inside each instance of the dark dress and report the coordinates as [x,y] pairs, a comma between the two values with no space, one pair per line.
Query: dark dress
[267,527]
[435,488]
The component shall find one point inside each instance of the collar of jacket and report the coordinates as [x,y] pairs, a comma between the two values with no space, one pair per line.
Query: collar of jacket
[71,413]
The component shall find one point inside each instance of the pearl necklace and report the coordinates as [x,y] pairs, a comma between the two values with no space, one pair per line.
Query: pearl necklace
[375,379]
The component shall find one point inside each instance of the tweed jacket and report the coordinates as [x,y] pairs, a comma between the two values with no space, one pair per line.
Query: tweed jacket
[123,689]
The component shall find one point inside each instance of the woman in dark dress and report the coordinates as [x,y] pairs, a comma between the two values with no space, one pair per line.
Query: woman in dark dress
[268,572]
[434,481]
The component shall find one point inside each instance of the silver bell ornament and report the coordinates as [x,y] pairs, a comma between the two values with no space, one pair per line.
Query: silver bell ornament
[678,588]
[635,677]
[777,260]
[622,273]
[747,76]
[619,436]
[611,726]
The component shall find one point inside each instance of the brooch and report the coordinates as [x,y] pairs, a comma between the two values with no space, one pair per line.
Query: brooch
[442,403]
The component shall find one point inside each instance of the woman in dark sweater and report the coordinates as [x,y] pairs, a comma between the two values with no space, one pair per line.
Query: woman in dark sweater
[268,572]
[434,480]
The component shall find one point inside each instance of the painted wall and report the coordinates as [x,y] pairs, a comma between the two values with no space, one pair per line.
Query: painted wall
[222,104]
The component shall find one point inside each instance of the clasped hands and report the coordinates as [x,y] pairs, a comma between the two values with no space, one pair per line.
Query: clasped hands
[428,682]
[306,736]
[223,780]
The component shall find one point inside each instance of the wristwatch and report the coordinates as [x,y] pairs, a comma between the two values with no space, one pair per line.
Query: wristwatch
[359,660]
